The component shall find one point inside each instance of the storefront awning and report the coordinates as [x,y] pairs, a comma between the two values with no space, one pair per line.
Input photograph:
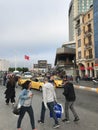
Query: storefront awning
[96,64]
[90,68]
[82,68]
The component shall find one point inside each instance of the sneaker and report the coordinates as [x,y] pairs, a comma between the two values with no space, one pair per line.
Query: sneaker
[76,119]
[41,122]
[66,120]
[56,126]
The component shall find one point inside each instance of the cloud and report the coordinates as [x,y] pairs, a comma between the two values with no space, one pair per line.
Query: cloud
[33,27]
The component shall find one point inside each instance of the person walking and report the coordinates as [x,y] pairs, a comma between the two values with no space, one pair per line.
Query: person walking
[49,98]
[25,99]
[4,79]
[70,98]
[10,90]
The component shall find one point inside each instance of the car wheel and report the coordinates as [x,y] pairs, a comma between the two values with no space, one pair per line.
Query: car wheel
[40,88]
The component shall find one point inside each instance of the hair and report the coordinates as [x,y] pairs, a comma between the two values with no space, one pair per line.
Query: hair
[25,85]
[46,79]
[11,80]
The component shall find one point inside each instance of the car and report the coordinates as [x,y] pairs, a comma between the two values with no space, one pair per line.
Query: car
[21,80]
[95,81]
[27,74]
[58,81]
[36,83]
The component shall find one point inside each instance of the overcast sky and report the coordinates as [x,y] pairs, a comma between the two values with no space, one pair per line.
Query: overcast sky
[32,27]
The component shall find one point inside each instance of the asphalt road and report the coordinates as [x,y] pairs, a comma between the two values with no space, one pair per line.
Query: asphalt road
[86,106]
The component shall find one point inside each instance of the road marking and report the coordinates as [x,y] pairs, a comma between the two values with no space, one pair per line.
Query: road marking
[86,88]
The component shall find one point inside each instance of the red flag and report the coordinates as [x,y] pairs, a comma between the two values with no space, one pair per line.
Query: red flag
[26,57]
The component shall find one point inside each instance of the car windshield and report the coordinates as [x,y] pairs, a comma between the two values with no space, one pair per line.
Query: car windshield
[27,73]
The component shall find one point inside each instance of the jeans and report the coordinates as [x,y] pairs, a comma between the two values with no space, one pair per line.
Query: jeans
[43,109]
[23,110]
[71,106]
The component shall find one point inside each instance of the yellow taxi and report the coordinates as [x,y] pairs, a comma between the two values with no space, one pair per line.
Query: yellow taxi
[58,81]
[36,83]
[21,80]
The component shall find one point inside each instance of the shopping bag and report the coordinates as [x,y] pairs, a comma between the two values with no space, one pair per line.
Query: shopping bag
[16,110]
[58,109]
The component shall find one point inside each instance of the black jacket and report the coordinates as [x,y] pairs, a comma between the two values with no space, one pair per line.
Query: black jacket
[69,92]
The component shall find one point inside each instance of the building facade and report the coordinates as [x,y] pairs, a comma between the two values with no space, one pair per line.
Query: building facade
[76,7]
[4,65]
[95,6]
[85,52]
[42,66]
[71,21]
[65,57]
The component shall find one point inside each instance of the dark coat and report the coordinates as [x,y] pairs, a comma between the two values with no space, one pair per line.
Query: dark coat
[69,92]
[10,90]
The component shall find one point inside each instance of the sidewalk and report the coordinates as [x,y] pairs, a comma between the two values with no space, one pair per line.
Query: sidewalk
[8,121]
[86,85]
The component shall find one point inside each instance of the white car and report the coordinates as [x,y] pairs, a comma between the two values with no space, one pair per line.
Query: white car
[27,74]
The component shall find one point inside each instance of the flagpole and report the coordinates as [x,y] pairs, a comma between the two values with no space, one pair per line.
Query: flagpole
[15,61]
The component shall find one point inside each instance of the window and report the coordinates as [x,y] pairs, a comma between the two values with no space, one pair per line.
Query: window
[79,55]
[88,16]
[79,31]
[89,27]
[84,53]
[79,43]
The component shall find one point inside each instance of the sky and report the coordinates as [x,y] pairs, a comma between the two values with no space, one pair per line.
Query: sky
[32,27]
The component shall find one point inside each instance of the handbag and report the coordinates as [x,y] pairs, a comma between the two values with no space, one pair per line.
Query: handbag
[58,109]
[16,108]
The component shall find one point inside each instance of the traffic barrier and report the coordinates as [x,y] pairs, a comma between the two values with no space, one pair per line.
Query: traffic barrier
[86,88]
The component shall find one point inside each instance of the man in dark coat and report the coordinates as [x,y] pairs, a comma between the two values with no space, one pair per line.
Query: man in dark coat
[70,98]
[10,90]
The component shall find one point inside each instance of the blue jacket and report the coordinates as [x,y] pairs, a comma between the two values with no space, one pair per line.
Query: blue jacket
[23,96]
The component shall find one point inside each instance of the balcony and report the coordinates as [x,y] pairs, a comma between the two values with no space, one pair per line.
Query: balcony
[65,50]
[77,25]
[88,33]
[64,63]
[89,57]
[88,46]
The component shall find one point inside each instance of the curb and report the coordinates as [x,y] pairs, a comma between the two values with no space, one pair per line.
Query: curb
[86,88]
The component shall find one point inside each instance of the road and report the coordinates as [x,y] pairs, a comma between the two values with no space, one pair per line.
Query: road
[86,106]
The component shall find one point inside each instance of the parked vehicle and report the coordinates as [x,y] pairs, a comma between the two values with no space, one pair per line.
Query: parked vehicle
[27,74]
[95,81]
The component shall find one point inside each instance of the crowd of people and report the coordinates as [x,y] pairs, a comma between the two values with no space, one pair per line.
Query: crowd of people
[49,99]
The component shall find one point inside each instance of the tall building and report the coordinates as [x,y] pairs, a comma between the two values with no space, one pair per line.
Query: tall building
[71,21]
[95,6]
[42,66]
[65,57]
[85,52]
[76,7]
